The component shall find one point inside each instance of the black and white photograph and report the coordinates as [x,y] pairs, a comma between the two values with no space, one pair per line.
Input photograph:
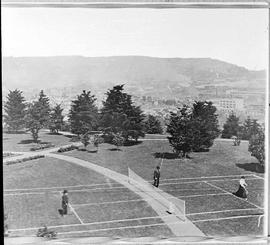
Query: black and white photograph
[132,122]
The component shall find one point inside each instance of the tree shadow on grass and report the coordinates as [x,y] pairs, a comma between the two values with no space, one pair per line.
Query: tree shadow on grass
[14,132]
[50,133]
[165,155]
[202,150]
[114,149]
[253,167]
[169,155]
[131,143]
[82,149]
[92,151]
[29,141]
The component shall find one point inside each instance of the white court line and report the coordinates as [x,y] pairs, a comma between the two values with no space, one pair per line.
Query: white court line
[137,200]
[259,177]
[210,194]
[115,228]
[82,190]
[225,218]
[73,210]
[223,211]
[201,181]
[122,220]
[233,195]
[25,193]
[212,177]
[93,223]
[54,187]
[156,224]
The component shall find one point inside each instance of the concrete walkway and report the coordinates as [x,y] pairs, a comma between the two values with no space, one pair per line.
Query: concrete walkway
[177,226]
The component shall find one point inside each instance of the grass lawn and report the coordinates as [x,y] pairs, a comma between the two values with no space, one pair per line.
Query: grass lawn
[222,159]
[24,141]
[48,172]
[33,196]
[36,185]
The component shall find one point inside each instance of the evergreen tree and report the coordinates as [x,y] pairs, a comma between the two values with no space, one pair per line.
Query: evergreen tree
[44,105]
[15,109]
[205,125]
[119,115]
[152,125]
[256,146]
[56,119]
[118,140]
[193,128]
[83,115]
[231,127]
[34,119]
[250,127]
[181,129]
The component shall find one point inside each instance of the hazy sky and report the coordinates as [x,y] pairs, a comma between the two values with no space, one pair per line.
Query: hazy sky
[232,35]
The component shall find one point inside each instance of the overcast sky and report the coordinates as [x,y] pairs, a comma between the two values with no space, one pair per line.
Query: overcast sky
[232,35]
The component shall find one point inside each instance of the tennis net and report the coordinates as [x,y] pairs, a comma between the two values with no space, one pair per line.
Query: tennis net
[171,203]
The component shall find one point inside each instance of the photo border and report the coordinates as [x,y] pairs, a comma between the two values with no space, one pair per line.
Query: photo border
[170,4]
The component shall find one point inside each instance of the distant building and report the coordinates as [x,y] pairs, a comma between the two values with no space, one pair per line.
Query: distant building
[228,105]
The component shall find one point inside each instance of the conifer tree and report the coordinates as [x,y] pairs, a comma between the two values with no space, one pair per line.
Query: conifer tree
[257,146]
[205,124]
[34,119]
[56,119]
[231,127]
[250,127]
[14,109]
[44,105]
[119,115]
[193,128]
[153,125]
[83,115]
[181,130]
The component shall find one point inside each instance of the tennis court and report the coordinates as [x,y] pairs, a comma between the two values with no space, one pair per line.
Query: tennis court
[107,209]
[211,206]
[110,209]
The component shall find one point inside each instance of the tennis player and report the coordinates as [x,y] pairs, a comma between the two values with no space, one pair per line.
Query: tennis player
[156,176]
[242,190]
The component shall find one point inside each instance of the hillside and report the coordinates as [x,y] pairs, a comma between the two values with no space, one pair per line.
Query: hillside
[139,71]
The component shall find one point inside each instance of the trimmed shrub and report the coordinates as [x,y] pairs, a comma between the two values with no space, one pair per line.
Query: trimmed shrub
[8,154]
[68,148]
[41,146]
[24,159]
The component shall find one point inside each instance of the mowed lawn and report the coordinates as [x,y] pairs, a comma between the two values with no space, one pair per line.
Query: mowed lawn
[33,189]
[209,203]
[222,159]
[32,198]
[23,141]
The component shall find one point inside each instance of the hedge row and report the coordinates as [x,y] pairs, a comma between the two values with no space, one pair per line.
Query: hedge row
[68,148]
[24,159]
[41,146]
[8,154]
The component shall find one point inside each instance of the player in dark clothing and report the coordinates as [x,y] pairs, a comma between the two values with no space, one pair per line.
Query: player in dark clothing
[156,176]
[65,202]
